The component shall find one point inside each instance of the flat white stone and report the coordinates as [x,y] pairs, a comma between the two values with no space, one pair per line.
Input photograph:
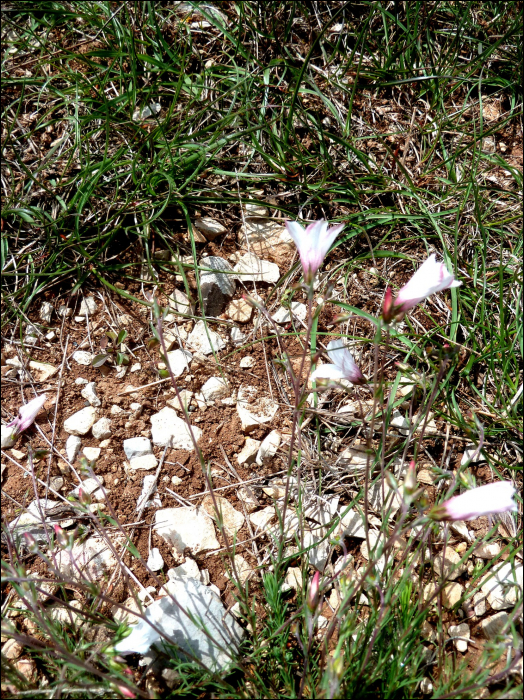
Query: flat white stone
[452,570]
[254,210]
[469,454]
[217,284]
[461,630]
[459,528]
[198,339]
[46,311]
[268,239]
[237,337]
[189,569]
[185,396]
[148,461]
[283,315]
[215,388]
[249,451]
[503,589]
[81,422]
[9,437]
[488,551]
[89,393]
[400,422]
[72,447]
[194,601]
[179,302]
[319,554]
[101,430]
[80,381]
[136,367]
[239,310]
[262,518]
[243,568]
[247,362]
[91,559]
[82,357]
[250,268]
[211,228]
[248,498]
[269,447]
[451,594]
[136,447]
[43,369]
[232,520]
[179,361]
[186,527]
[88,306]
[91,453]
[253,409]
[352,524]
[88,486]
[148,491]
[168,429]
[294,578]
[30,521]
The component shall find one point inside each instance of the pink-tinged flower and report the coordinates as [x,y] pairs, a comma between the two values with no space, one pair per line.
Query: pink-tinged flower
[313,596]
[431,277]
[27,414]
[125,692]
[491,498]
[313,244]
[343,367]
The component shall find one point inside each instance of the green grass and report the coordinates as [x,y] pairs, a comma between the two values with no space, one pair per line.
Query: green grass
[276,97]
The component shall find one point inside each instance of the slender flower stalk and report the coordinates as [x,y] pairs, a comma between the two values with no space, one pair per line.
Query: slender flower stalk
[484,500]
[313,244]
[343,367]
[431,277]
[27,414]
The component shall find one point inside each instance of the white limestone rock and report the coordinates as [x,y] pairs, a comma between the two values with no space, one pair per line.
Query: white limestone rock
[237,337]
[101,430]
[211,228]
[217,284]
[82,357]
[186,527]
[88,306]
[44,370]
[269,447]
[168,429]
[253,409]
[9,437]
[148,461]
[89,393]
[179,361]
[262,518]
[232,520]
[461,630]
[205,342]
[268,239]
[449,567]
[72,447]
[91,453]
[136,447]
[91,559]
[81,422]
[215,388]
[250,268]
[503,589]
[46,312]
[249,452]
[297,311]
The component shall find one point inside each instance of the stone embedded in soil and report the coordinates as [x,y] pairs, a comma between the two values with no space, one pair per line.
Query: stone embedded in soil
[148,461]
[283,314]
[253,409]
[351,524]
[89,393]
[392,500]
[9,437]
[43,369]
[72,447]
[137,447]
[459,528]
[27,668]
[198,339]
[262,518]
[168,429]
[502,589]
[179,302]
[248,498]
[355,458]
[253,210]
[82,357]
[92,559]
[81,422]
[249,452]
[461,630]
[170,615]
[215,388]
[294,578]
[319,554]
[101,430]
[452,569]
[451,594]
[88,486]
[266,238]
[123,616]
[211,228]
[12,649]
[239,310]
[91,453]
[400,422]
[64,615]
[488,551]
[179,361]
[269,447]
[471,453]
[495,625]
[217,286]
[186,527]
[185,396]
[247,362]
[250,268]
[155,562]
[189,569]
[231,519]
[244,570]
[88,306]
[46,311]
[237,337]
[80,381]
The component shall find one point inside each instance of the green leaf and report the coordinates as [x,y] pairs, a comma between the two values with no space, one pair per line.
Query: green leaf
[99,360]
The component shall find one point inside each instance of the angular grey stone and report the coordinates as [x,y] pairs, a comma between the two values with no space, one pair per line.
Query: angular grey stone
[186,527]
[251,268]
[88,306]
[46,311]
[168,429]
[503,589]
[179,361]
[81,422]
[216,287]
[210,227]
[172,619]
[215,388]
[83,357]
[91,559]
[269,447]
[283,314]
[101,430]
[32,523]
[89,393]
[137,447]
[9,437]
[495,625]
[205,342]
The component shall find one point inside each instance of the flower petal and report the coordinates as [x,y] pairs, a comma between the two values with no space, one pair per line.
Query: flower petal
[328,372]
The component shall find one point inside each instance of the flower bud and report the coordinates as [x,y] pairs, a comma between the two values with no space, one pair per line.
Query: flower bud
[313,596]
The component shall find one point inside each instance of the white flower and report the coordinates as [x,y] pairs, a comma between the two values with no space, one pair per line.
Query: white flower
[491,498]
[313,244]
[343,367]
